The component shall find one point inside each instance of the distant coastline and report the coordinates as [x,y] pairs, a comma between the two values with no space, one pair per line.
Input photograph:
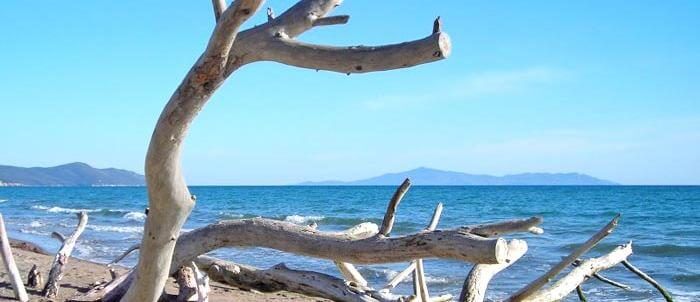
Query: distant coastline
[69,175]
[434,177]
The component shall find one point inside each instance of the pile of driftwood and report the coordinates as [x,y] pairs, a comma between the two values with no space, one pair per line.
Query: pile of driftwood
[365,243]
[165,252]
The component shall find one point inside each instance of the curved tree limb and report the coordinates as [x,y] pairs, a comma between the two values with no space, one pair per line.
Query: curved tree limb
[390,214]
[170,201]
[585,247]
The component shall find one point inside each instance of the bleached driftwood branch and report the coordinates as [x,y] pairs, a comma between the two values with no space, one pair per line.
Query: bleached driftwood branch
[390,214]
[603,279]
[10,265]
[280,277]
[507,227]
[284,236]
[580,274]
[59,262]
[538,283]
[476,283]
[170,201]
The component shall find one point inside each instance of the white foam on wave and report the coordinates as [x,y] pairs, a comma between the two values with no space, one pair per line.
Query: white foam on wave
[36,224]
[33,231]
[3,200]
[135,216]
[230,215]
[298,219]
[63,210]
[115,229]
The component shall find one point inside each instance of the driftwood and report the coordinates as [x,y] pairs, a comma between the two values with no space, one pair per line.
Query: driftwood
[56,273]
[202,280]
[581,273]
[646,278]
[476,283]
[10,265]
[538,283]
[279,278]
[187,284]
[34,278]
[170,201]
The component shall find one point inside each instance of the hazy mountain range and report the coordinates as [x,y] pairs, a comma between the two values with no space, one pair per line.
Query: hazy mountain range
[81,174]
[428,176]
[73,174]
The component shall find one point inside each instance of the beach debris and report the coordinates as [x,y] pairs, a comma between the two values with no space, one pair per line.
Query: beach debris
[62,256]
[10,265]
[34,278]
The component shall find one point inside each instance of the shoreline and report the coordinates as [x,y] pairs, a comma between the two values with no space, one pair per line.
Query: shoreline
[81,274]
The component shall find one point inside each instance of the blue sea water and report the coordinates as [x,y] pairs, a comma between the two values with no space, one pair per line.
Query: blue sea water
[662,222]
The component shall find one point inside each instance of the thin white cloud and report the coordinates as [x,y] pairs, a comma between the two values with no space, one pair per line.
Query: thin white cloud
[474,86]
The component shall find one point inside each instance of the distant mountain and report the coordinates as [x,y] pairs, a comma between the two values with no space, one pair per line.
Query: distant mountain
[73,174]
[427,176]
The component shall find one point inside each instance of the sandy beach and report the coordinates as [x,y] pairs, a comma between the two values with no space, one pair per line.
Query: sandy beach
[80,274]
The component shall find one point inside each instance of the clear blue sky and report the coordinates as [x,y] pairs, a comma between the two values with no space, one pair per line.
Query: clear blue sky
[607,88]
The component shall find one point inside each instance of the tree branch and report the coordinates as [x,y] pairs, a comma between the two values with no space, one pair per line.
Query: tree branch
[59,262]
[581,273]
[289,237]
[219,8]
[506,227]
[542,280]
[476,283]
[646,278]
[333,20]
[390,214]
[357,59]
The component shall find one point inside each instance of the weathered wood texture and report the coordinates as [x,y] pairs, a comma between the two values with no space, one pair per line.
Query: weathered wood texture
[538,283]
[10,265]
[581,273]
[289,237]
[280,278]
[170,201]
[476,283]
[56,273]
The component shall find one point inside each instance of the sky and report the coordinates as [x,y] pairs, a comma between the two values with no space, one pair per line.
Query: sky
[606,88]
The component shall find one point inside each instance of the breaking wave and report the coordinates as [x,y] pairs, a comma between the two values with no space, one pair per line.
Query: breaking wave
[135,216]
[115,229]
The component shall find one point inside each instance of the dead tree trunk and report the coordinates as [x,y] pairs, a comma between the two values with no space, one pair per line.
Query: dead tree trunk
[10,265]
[170,201]
[56,273]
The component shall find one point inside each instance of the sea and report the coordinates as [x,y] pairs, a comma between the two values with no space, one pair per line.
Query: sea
[663,222]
